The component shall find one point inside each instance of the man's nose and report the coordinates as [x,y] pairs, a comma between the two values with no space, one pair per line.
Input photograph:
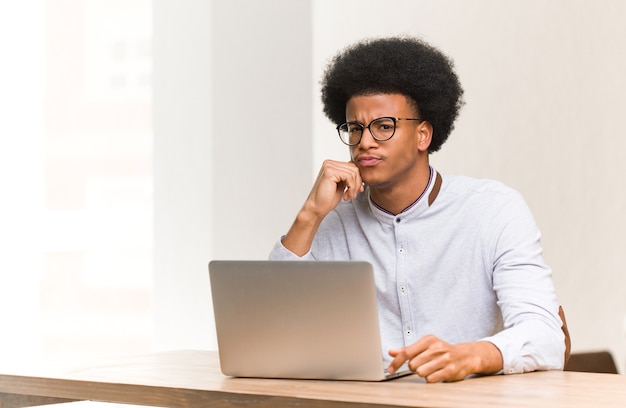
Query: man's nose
[367,139]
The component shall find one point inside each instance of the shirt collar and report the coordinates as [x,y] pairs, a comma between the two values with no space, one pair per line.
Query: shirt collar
[418,206]
[428,188]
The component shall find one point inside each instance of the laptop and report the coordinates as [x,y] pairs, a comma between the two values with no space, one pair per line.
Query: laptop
[298,319]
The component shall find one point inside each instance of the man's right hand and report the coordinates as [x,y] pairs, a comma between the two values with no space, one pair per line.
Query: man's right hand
[336,180]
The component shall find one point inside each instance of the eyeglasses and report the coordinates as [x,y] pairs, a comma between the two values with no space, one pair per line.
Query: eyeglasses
[381,129]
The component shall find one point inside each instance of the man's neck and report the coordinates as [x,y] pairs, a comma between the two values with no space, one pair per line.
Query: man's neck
[396,198]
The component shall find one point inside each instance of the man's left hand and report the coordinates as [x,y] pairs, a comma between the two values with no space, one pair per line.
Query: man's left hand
[435,360]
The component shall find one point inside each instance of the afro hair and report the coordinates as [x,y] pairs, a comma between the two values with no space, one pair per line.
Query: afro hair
[403,65]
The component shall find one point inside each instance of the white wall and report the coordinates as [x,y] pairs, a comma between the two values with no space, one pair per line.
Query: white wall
[182,171]
[544,91]
[232,103]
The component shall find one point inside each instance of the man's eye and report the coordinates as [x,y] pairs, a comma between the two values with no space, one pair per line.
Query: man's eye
[384,126]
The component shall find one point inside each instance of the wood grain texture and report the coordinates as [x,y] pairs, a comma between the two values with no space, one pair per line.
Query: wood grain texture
[193,379]
[19,401]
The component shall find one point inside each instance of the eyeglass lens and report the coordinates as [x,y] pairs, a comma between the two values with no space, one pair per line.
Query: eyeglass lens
[381,129]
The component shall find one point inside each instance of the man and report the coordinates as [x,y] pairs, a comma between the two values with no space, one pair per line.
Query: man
[461,284]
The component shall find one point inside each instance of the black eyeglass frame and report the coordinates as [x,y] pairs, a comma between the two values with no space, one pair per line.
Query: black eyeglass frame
[346,126]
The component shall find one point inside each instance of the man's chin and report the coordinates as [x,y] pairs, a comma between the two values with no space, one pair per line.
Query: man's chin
[372,182]
[372,178]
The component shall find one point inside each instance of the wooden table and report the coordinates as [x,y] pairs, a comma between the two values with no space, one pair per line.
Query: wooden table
[193,379]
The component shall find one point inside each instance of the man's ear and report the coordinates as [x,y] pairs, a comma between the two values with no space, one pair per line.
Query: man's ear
[425,135]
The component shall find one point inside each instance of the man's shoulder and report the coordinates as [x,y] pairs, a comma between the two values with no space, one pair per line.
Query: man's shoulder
[485,199]
[464,185]
[485,195]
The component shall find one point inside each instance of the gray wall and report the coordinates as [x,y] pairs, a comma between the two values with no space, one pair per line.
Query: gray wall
[544,91]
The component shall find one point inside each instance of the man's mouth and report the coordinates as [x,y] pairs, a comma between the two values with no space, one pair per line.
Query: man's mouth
[368,161]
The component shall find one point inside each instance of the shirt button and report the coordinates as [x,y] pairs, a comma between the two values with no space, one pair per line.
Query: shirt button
[401,250]
[402,288]
[398,220]
[409,332]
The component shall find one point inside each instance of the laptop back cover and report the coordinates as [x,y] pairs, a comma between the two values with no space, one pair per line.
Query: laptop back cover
[297,319]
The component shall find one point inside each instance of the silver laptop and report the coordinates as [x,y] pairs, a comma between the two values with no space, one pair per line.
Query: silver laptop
[298,319]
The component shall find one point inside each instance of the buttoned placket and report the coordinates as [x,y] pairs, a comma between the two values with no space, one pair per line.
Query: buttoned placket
[401,280]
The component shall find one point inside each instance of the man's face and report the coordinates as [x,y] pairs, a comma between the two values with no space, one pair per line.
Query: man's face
[385,164]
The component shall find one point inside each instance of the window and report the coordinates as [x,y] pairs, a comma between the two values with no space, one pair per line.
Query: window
[81,203]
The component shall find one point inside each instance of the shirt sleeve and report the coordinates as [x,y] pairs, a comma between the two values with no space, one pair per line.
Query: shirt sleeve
[280,253]
[532,338]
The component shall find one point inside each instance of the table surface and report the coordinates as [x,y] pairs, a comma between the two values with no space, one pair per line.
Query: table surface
[193,379]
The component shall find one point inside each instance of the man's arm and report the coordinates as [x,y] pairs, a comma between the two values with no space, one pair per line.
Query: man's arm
[336,180]
[435,360]
[532,338]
